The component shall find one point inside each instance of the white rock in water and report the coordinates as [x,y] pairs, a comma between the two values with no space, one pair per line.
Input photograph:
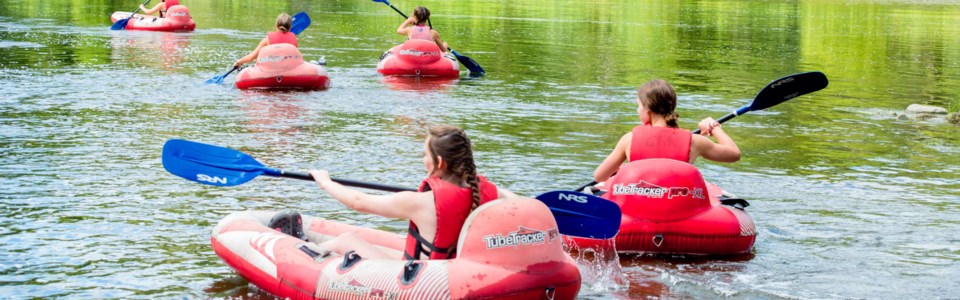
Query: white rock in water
[917,108]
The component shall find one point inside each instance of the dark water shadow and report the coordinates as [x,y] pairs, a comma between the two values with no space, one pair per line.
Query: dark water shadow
[646,273]
[236,287]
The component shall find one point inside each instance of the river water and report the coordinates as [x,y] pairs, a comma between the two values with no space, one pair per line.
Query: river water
[850,200]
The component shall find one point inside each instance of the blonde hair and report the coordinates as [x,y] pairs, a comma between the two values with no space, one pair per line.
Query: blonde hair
[284,22]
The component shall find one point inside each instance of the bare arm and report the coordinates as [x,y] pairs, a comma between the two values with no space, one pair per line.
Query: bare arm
[613,161]
[725,150]
[440,43]
[401,205]
[503,193]
[152,10]
[404,27]
[253,55]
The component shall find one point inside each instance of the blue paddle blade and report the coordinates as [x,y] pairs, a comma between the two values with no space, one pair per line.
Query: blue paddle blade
[219,78]
[300,22]
[469,63]
[583,215]
[210,164]
[216,79]
[120,24]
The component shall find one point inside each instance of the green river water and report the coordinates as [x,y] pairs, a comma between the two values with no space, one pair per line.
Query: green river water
[850,200]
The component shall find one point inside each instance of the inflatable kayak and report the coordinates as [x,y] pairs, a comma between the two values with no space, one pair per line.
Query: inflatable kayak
[669,209]
[499,257]
[418,58]
[281,66]
[177,19]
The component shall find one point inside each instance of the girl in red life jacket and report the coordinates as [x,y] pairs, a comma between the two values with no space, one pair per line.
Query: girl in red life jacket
[282,34]
[437,212]
[162,7]
[419,19]
[660,137]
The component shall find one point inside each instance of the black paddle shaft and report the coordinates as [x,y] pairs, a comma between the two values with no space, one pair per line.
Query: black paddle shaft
[398,11]
[347,182]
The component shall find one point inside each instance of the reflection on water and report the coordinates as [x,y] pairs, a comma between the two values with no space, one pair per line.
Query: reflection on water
[235,287]
[272,111]
[161,49]
[844,194]
[418,84]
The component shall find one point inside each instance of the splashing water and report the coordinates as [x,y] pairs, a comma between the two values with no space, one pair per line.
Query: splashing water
[599,268]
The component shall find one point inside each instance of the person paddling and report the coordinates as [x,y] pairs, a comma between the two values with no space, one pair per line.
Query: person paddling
[438,210]
[660,137]
[161,7]
[282,34]
[419,29]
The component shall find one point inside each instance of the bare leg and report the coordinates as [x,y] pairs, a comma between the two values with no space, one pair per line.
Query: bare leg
[349,241]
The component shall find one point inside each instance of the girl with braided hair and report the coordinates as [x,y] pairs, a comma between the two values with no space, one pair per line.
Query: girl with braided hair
[660,137]
[438,210]
[420,29]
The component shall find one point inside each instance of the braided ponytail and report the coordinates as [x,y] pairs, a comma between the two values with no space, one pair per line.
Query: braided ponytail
[452,144]
[672,120]
[470,177]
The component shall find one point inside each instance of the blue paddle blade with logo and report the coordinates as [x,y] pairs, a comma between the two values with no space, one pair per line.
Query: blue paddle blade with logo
[210,164]
[300,22]
[583,215]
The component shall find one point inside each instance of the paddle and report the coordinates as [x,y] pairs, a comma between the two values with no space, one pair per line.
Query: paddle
[300,23]
[776,92]
[221,166]
[583,215]
[219,78]
[577,214]
[469,63]
[122,24]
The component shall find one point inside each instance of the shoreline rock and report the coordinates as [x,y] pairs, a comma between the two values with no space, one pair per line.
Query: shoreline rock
[926,109]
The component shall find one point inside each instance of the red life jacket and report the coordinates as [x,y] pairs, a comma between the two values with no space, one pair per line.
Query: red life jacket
[167,5]
[660,142]
[277,37]
[420,33]
[453,206]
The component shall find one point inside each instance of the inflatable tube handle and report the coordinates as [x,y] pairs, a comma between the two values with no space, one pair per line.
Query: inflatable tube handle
[410,272]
